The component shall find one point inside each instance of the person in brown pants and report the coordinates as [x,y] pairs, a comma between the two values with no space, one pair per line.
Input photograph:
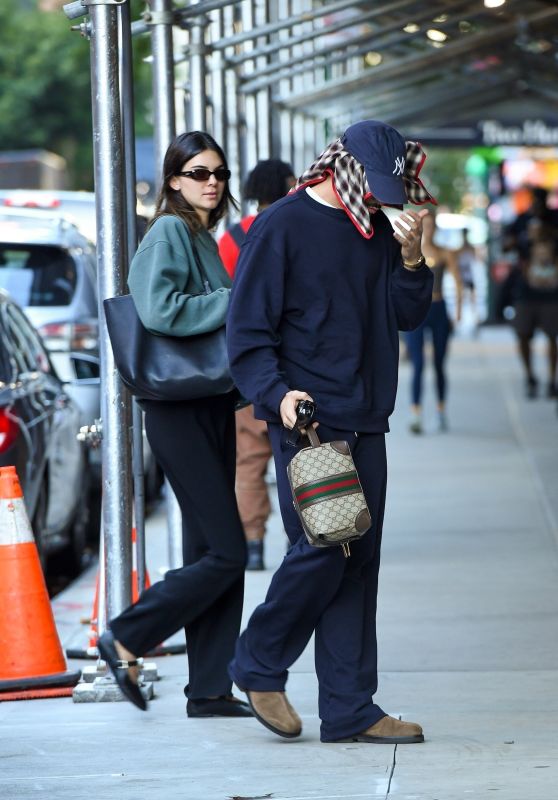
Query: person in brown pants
[269,181]
[253,451]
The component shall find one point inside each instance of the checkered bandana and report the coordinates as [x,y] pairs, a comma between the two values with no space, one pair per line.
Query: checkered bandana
[351,186]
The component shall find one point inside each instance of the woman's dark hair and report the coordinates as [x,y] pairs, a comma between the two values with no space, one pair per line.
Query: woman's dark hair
[268,181]
[171,201]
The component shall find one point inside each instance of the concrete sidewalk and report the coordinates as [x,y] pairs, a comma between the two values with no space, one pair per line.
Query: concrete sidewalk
[468,637]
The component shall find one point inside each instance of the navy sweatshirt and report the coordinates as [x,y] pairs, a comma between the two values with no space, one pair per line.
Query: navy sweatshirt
[316,307]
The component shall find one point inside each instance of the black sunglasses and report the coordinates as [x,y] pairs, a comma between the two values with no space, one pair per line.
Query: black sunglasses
[202,174]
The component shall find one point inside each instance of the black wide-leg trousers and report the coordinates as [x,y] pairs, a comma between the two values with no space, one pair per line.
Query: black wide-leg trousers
[194,443]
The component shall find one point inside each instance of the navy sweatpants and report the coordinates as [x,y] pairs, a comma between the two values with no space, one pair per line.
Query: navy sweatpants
[318,590]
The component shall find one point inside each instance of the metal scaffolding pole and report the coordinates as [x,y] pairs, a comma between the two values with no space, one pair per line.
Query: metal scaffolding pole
[261,14]
[287,52]
[248,130]
[174,529]
[161,19]
[197,116]
[129,150]
[396,5]
[282,23]
[232,111]
[349,49]
[275,113]
[347,85]
[308,48]
[298,158]
[218,88]
[236,120]
[205,7]
[111,267]
[165,127]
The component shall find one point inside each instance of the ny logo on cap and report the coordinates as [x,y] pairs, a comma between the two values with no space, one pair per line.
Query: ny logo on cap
[399,166]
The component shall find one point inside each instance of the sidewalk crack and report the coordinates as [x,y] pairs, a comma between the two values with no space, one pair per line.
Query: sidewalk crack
[393,763]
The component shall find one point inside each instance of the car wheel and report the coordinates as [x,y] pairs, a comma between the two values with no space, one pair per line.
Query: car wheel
[38,524]
[75,556]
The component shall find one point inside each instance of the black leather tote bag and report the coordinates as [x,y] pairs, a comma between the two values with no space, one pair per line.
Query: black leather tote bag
[170,368]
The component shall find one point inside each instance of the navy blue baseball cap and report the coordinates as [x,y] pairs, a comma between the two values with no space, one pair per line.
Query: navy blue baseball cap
[382,152]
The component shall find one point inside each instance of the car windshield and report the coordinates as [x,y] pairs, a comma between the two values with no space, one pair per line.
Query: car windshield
[37,275]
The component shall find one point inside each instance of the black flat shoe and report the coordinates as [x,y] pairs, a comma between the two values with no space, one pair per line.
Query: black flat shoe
[218,707]
[119,668]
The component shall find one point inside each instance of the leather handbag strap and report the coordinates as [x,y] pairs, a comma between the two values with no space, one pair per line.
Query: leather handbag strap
[197,259]
[313,436]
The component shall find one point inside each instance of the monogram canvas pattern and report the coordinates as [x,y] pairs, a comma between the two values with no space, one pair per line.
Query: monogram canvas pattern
[333,521]
[314,463]
[328,517]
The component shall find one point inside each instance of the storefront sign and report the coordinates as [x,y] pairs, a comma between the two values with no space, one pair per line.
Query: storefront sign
[490,133]
[530,132]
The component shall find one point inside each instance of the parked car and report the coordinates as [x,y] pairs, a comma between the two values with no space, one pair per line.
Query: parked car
[38,426]
[49,267]
[76,207]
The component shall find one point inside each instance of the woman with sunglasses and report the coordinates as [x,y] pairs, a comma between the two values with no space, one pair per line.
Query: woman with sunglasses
[193,441]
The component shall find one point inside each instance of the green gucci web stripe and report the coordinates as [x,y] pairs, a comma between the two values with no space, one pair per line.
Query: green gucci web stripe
[341,476]
[315,491]
[310,501]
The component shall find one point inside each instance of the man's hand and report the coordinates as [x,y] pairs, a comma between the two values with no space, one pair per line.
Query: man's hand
[287,409]
[408,232]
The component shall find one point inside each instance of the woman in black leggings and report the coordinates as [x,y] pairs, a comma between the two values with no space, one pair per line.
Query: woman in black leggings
[439,325]
[193,441]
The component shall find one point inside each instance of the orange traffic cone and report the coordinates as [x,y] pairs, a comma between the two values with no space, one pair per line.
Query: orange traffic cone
[135,577]
[32,663]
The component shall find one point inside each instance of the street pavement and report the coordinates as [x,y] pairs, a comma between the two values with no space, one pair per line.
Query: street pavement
[468,636]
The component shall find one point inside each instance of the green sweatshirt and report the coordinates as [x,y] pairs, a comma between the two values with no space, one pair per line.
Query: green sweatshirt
[167,286]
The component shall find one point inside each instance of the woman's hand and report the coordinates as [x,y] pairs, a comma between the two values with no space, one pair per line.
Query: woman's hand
[287,409]
[408,232]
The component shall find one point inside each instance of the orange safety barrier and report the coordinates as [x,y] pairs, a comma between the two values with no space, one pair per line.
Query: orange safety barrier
[94,629]
[32,655]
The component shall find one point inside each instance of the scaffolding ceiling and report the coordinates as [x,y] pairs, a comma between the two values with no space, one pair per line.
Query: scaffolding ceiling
[439,62]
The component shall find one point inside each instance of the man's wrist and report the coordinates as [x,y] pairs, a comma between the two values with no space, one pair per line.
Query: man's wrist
[414,265]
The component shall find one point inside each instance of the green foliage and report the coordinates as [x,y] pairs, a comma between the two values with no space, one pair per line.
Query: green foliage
[444,175]
[44,83]
[45,94]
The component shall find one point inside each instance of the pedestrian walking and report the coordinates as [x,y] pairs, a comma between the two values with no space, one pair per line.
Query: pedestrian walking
[534,237]
[323,283]
[193,441]
[467,261]
[267,182]
[438,324]
[270,180]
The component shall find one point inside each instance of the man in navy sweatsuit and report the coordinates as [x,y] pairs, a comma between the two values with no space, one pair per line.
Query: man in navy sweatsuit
[323,285]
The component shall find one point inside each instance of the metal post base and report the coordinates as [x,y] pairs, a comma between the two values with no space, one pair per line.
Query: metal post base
[105,690]
[148,672]
[161,650]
